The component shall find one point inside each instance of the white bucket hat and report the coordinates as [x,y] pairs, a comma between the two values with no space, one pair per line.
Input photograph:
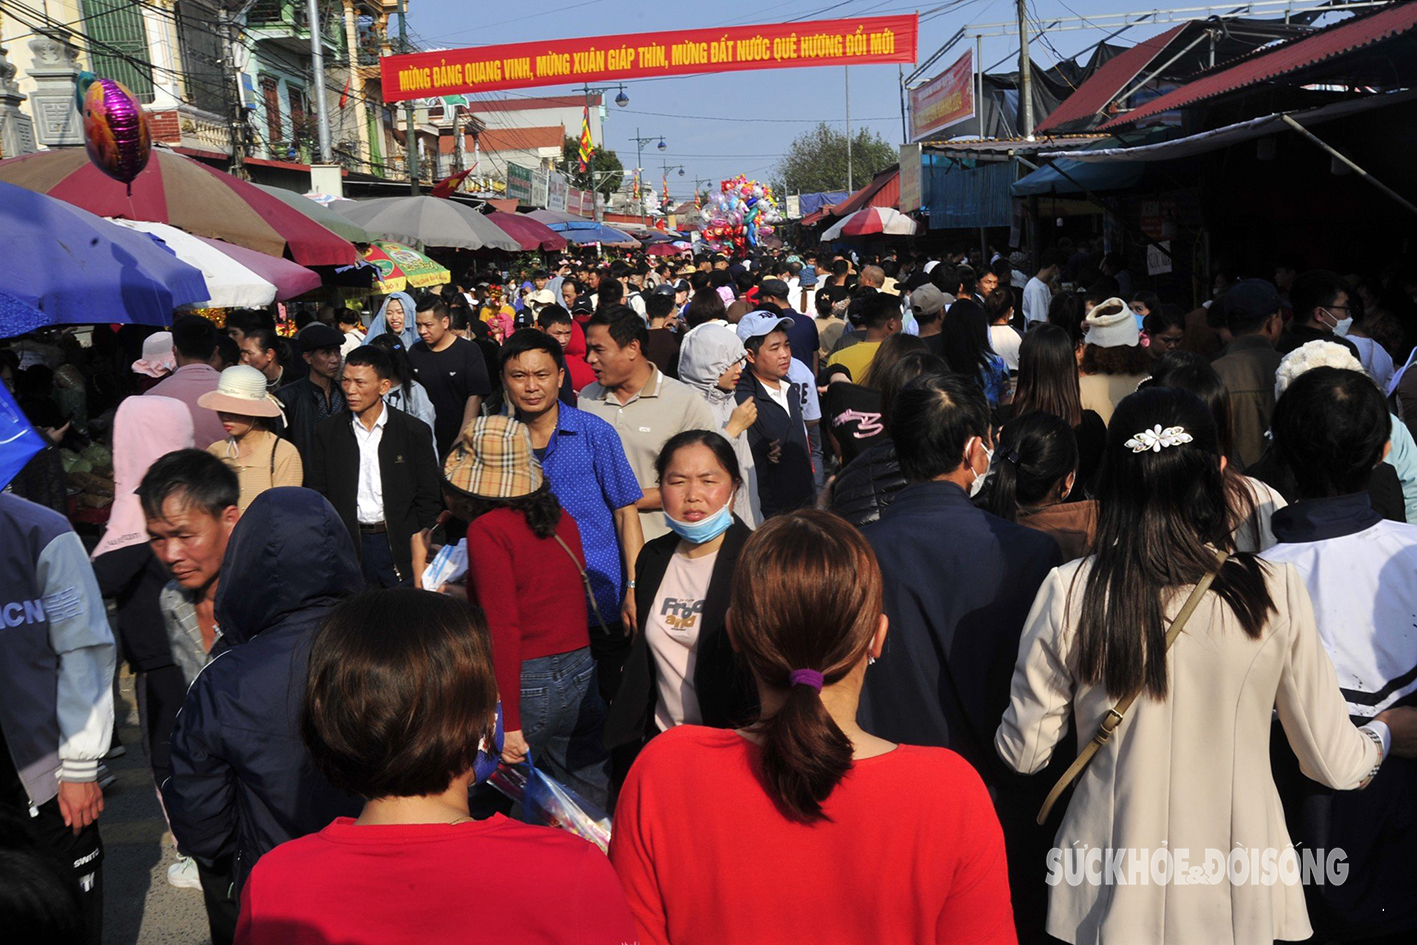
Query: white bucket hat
[1112,325]
[242,390]
[158,358]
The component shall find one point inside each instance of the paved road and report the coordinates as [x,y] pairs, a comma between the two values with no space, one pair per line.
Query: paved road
[139,907]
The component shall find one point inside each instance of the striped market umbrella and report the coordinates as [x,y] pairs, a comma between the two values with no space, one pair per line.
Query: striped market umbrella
[532,234]
[186,194]
[402,266]
[236,277]
[321,214]
[870,221]
[65,266]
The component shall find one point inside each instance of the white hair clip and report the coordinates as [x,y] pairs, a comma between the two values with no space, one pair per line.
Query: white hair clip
[1156,438]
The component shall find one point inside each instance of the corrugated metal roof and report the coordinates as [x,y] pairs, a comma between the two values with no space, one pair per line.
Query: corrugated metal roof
[883,191]
[522,139]
[1283,60]
[1095,94]
[531,103]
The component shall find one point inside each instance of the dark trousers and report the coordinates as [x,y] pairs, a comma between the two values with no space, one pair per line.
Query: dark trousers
[610,651]
[377,561]
[219,896]
[160,694]
[77,860]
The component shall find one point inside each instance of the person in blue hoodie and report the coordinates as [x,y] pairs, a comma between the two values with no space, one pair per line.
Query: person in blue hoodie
[241,780]
[399,321]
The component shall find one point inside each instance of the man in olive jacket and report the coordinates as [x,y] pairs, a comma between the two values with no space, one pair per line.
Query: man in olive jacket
[377,467]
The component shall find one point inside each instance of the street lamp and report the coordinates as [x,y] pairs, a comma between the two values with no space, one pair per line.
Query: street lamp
[622,99]
[640,142]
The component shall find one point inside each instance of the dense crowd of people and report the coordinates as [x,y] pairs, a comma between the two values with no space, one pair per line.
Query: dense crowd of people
[912,597]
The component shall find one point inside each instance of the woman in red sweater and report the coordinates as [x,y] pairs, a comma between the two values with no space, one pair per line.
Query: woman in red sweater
[803,827]
[527,569]
[399,701]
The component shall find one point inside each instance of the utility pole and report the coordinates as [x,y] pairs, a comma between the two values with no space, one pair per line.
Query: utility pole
[226,20]
[1025,72]
[317,63]
[409,137]
[850,181]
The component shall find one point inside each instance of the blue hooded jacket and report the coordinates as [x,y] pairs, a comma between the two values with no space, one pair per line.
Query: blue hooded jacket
[241,779]
[380,325]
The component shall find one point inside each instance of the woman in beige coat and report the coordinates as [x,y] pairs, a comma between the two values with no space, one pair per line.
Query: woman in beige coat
[1187,771]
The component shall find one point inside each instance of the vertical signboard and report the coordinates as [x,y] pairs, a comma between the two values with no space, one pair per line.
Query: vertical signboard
[519,182]
[945,100]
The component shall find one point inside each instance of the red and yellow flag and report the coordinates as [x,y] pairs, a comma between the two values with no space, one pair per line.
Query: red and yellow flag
[637,184]
[665,179]
[587,145]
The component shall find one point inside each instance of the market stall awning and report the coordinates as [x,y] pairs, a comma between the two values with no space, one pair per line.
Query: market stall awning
[1224,137]
[184,193]
[1066,175]
[320,213]
[1110,79]
[401,267]
[428,220]
[1285,60]
[231,284]
[884,221]
[883,191]
[65,266]
[531,234]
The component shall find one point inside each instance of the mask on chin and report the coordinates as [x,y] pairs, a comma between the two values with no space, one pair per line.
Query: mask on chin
[705,529]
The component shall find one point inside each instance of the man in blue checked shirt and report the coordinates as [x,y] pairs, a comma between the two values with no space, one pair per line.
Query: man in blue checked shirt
[583,459]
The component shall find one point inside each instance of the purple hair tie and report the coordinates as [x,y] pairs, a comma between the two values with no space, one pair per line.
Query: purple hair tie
[809,677]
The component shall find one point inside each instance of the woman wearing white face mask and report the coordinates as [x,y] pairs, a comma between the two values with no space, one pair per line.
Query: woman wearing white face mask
[681,668]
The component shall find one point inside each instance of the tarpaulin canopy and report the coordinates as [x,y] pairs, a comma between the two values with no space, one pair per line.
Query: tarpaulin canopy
[1221,137]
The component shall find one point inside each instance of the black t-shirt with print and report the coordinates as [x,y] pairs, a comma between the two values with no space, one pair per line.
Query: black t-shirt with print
[853,414]
[450,376]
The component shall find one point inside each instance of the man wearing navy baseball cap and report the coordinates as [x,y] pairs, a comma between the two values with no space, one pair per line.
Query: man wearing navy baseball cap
[802,332]
[778,438]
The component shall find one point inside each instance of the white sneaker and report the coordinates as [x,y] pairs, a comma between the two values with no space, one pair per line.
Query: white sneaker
[183,874]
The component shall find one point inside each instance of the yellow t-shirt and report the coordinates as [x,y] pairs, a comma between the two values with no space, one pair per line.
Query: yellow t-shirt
[856,358]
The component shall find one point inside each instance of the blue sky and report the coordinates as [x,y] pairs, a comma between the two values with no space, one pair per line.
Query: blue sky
[721,125]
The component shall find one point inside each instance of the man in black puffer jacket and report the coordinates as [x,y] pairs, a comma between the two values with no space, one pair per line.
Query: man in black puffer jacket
[241,780]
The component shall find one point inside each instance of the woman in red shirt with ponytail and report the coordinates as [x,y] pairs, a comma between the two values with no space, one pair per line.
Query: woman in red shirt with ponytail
[803,827]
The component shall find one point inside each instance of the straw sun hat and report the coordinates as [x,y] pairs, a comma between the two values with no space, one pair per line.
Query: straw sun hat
[242,391]
[494,460]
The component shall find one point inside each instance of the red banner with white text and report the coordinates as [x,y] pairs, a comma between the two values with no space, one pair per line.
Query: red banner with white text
[849,42]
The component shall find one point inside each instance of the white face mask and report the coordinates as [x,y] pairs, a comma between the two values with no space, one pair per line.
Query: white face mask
[1341,326]
[978,483]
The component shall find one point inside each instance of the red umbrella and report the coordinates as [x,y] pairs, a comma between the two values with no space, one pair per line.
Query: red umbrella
[532,234]
[186,194]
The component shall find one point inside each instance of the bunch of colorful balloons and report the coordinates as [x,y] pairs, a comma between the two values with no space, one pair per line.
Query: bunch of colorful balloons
[740,214]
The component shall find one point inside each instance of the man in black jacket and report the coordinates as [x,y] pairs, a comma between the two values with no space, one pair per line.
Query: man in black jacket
[312,399]
[778,438]
[377,467]
[241,780]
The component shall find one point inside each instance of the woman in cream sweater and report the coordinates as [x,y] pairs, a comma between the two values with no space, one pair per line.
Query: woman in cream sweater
[1187,770]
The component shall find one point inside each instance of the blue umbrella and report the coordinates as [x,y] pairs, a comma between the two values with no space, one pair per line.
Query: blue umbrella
[590,232]
[65,266]
[18,440]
